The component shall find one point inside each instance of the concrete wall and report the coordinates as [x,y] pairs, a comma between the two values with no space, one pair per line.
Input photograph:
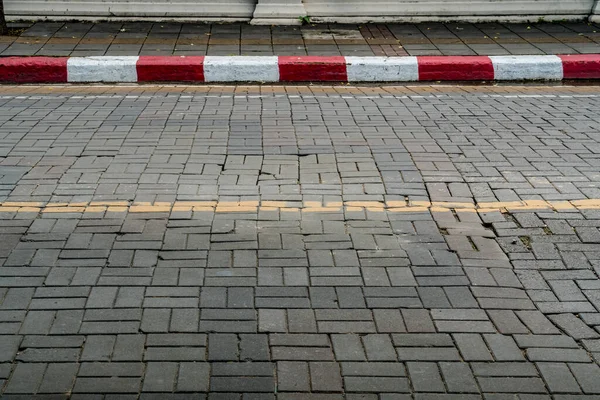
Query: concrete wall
[407,10]
[596,12]
[193,9]
[319,10]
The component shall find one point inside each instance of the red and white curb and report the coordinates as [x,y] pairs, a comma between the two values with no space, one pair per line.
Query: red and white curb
[297,69]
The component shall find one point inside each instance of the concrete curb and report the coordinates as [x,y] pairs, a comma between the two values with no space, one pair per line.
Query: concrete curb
[297,69]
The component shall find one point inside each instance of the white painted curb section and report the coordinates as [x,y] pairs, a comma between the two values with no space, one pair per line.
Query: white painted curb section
[382,69]
[102,69]
[241,69]
[516,68]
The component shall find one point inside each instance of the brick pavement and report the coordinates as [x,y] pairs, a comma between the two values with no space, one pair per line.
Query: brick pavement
[147,38]
[298,242]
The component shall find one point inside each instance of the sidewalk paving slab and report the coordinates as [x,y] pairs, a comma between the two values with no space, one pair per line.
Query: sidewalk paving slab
[450,39]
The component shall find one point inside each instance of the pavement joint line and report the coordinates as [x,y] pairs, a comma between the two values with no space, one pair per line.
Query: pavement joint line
[306,206]
[439,96]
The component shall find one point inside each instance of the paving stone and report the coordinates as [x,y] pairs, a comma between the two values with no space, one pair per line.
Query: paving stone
[98,348]
[587,377]
[512,385]
[503,348]
[574,327]
[458,378]
[325,377]
[193,377]
[425,377]
[348,347]
[553,354]
[26,378]
[254,347]
[8,347]
[222,347]
[378,348]
[472,347]
[293,376]
[558,378]
[160,377]
[262,242]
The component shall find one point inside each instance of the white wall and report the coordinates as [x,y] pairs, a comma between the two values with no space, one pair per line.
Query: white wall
[209,9]
[448,9]
[596,13]
[324,10]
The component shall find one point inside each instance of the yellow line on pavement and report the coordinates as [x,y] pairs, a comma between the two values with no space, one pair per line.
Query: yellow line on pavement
[254,206]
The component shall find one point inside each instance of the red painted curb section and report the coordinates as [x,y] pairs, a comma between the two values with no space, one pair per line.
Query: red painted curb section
[291,68]
[170,69]
[455,68]
[581,66]
[312,68]
[33,69]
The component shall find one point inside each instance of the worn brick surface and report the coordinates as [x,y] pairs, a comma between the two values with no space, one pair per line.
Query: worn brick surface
[299,242]
[452,39]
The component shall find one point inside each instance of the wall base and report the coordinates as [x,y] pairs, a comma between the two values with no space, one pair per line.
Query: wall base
[275,21]
[288,11]
[278,12]
[453,18]
[595,17]
[130,9]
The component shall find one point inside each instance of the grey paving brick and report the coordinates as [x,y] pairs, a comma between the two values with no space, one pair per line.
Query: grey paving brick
[272,320]
[98,348]
[376,384]
[511,385]
[67,322]
[574,327]
[107,385]
[293,376]
[325,377]
[560,341]
[129,348]
[537,322]
[37,322]
[418,321]
[504,369]
[558,378]
[25,378]
[554,354]
[193,377]
[8,347]
[184,320]
[507,322]
[388,321]
[254,347]
[472,347]
[160,377]
[394,300]
[348,347]
[504,348]
[156,320]
[587,377]
[379,347]
[300,320]
[458,377]
[425,377]
[223,347]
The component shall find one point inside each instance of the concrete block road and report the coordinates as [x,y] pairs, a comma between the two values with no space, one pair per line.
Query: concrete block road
[300,242]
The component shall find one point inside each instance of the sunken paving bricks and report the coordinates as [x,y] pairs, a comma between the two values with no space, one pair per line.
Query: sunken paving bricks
[299,242]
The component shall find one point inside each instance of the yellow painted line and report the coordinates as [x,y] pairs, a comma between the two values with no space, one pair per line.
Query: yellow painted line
[254,206]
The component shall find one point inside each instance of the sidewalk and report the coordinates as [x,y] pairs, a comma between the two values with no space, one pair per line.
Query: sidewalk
[426,39]
[299,242]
